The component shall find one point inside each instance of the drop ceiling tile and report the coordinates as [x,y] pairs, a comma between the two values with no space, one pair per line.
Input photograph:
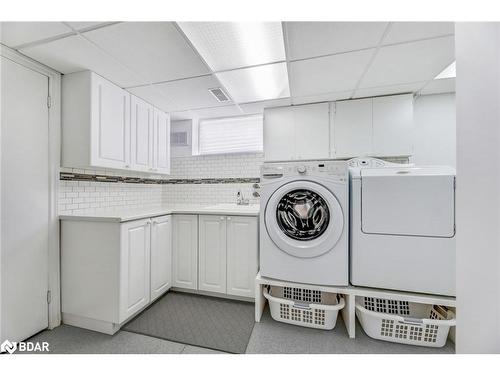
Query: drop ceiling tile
[225,111]
[311,39]
[409,62]
[388,90]
[410,31]
[328,97]
[191,93]
[258,107]
[74,54]
[439,86]
[153,95]
[18,33]
[231,45]
[86,25]
[257,83]
[156,51]
[334,73]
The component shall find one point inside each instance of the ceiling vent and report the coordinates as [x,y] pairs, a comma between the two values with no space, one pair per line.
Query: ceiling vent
[219,95]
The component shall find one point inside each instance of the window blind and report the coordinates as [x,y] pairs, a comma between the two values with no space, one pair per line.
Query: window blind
[231,135]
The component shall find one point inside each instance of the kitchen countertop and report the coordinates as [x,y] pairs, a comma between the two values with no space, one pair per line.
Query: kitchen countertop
[122,215]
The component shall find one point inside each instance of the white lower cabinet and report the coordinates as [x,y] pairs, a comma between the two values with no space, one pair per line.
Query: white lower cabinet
[111,271]
[228,254]
[242,255]
[161,255]
[134,267]
[185,251]
[212,253]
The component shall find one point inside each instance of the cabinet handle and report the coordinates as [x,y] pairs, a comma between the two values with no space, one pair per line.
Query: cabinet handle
[222,217]
[228,218]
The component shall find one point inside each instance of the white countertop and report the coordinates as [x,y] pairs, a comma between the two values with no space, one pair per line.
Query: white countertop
[121,215]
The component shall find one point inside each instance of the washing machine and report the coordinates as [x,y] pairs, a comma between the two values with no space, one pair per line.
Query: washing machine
[402,226]
[304,222]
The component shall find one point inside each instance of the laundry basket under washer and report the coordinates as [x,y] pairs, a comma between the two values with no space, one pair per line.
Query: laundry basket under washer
[304,307]
[404,322]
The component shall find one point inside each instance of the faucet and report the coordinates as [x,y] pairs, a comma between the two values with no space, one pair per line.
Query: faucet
[240,200]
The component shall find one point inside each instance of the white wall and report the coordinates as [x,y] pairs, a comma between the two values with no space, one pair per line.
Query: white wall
[435,130]
[477,48]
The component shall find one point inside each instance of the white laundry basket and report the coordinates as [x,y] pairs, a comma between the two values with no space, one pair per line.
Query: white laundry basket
[304,307]
[404,322]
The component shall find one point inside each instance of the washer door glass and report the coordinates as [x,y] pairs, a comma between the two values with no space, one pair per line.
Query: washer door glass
[302,214]
[304,218]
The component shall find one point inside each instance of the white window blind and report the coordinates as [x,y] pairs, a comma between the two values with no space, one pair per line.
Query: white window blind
[230,135]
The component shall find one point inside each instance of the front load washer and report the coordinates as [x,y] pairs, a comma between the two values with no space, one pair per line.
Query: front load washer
[304,222]
[402,226]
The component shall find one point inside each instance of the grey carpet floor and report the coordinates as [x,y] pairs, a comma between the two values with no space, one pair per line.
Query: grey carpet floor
[202,321]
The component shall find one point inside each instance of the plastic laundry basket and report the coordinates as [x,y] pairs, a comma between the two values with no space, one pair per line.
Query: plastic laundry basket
[404,322]
[304,307]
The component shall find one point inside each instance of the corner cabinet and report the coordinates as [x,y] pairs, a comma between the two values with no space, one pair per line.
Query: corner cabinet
[104,126]
[185,251]
[110,271]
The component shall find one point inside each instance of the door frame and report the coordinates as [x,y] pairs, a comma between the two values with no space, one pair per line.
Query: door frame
[54,93]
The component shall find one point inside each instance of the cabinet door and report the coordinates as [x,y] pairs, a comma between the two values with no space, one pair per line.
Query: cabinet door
[161,255]
[161,142]
[393,125]
[352,128]
[185,251]
[212,253]
[134,265]
[279,134]
[242,255]
[312,131]
[141,135]
[110,125]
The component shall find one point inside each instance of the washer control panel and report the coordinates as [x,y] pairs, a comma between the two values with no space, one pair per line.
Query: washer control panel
[305,168]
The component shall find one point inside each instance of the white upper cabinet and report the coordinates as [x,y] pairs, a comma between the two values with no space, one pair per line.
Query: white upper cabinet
[95,122]
[103,126]
[141,125]
[352,130]
[161,142]
[297,132]
[312,130]
[381,126]
[393,125]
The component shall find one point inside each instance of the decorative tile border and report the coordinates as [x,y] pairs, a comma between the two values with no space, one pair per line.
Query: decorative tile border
[64,176]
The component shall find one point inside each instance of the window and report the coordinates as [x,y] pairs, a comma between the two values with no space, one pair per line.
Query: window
[230,135]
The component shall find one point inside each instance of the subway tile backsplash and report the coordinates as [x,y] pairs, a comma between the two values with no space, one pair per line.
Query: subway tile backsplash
[187,184]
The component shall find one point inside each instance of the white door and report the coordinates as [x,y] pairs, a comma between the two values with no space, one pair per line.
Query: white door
[161,142]
[161,255]
[393,125]
[141,134]
[242,255]
[110,131]
[185,251]
[312,131]
[279,134]
[352,128]
[135,267]
[24,202]
[212,253]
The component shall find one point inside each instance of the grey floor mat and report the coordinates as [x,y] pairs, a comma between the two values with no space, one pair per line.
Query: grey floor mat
[208,322]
